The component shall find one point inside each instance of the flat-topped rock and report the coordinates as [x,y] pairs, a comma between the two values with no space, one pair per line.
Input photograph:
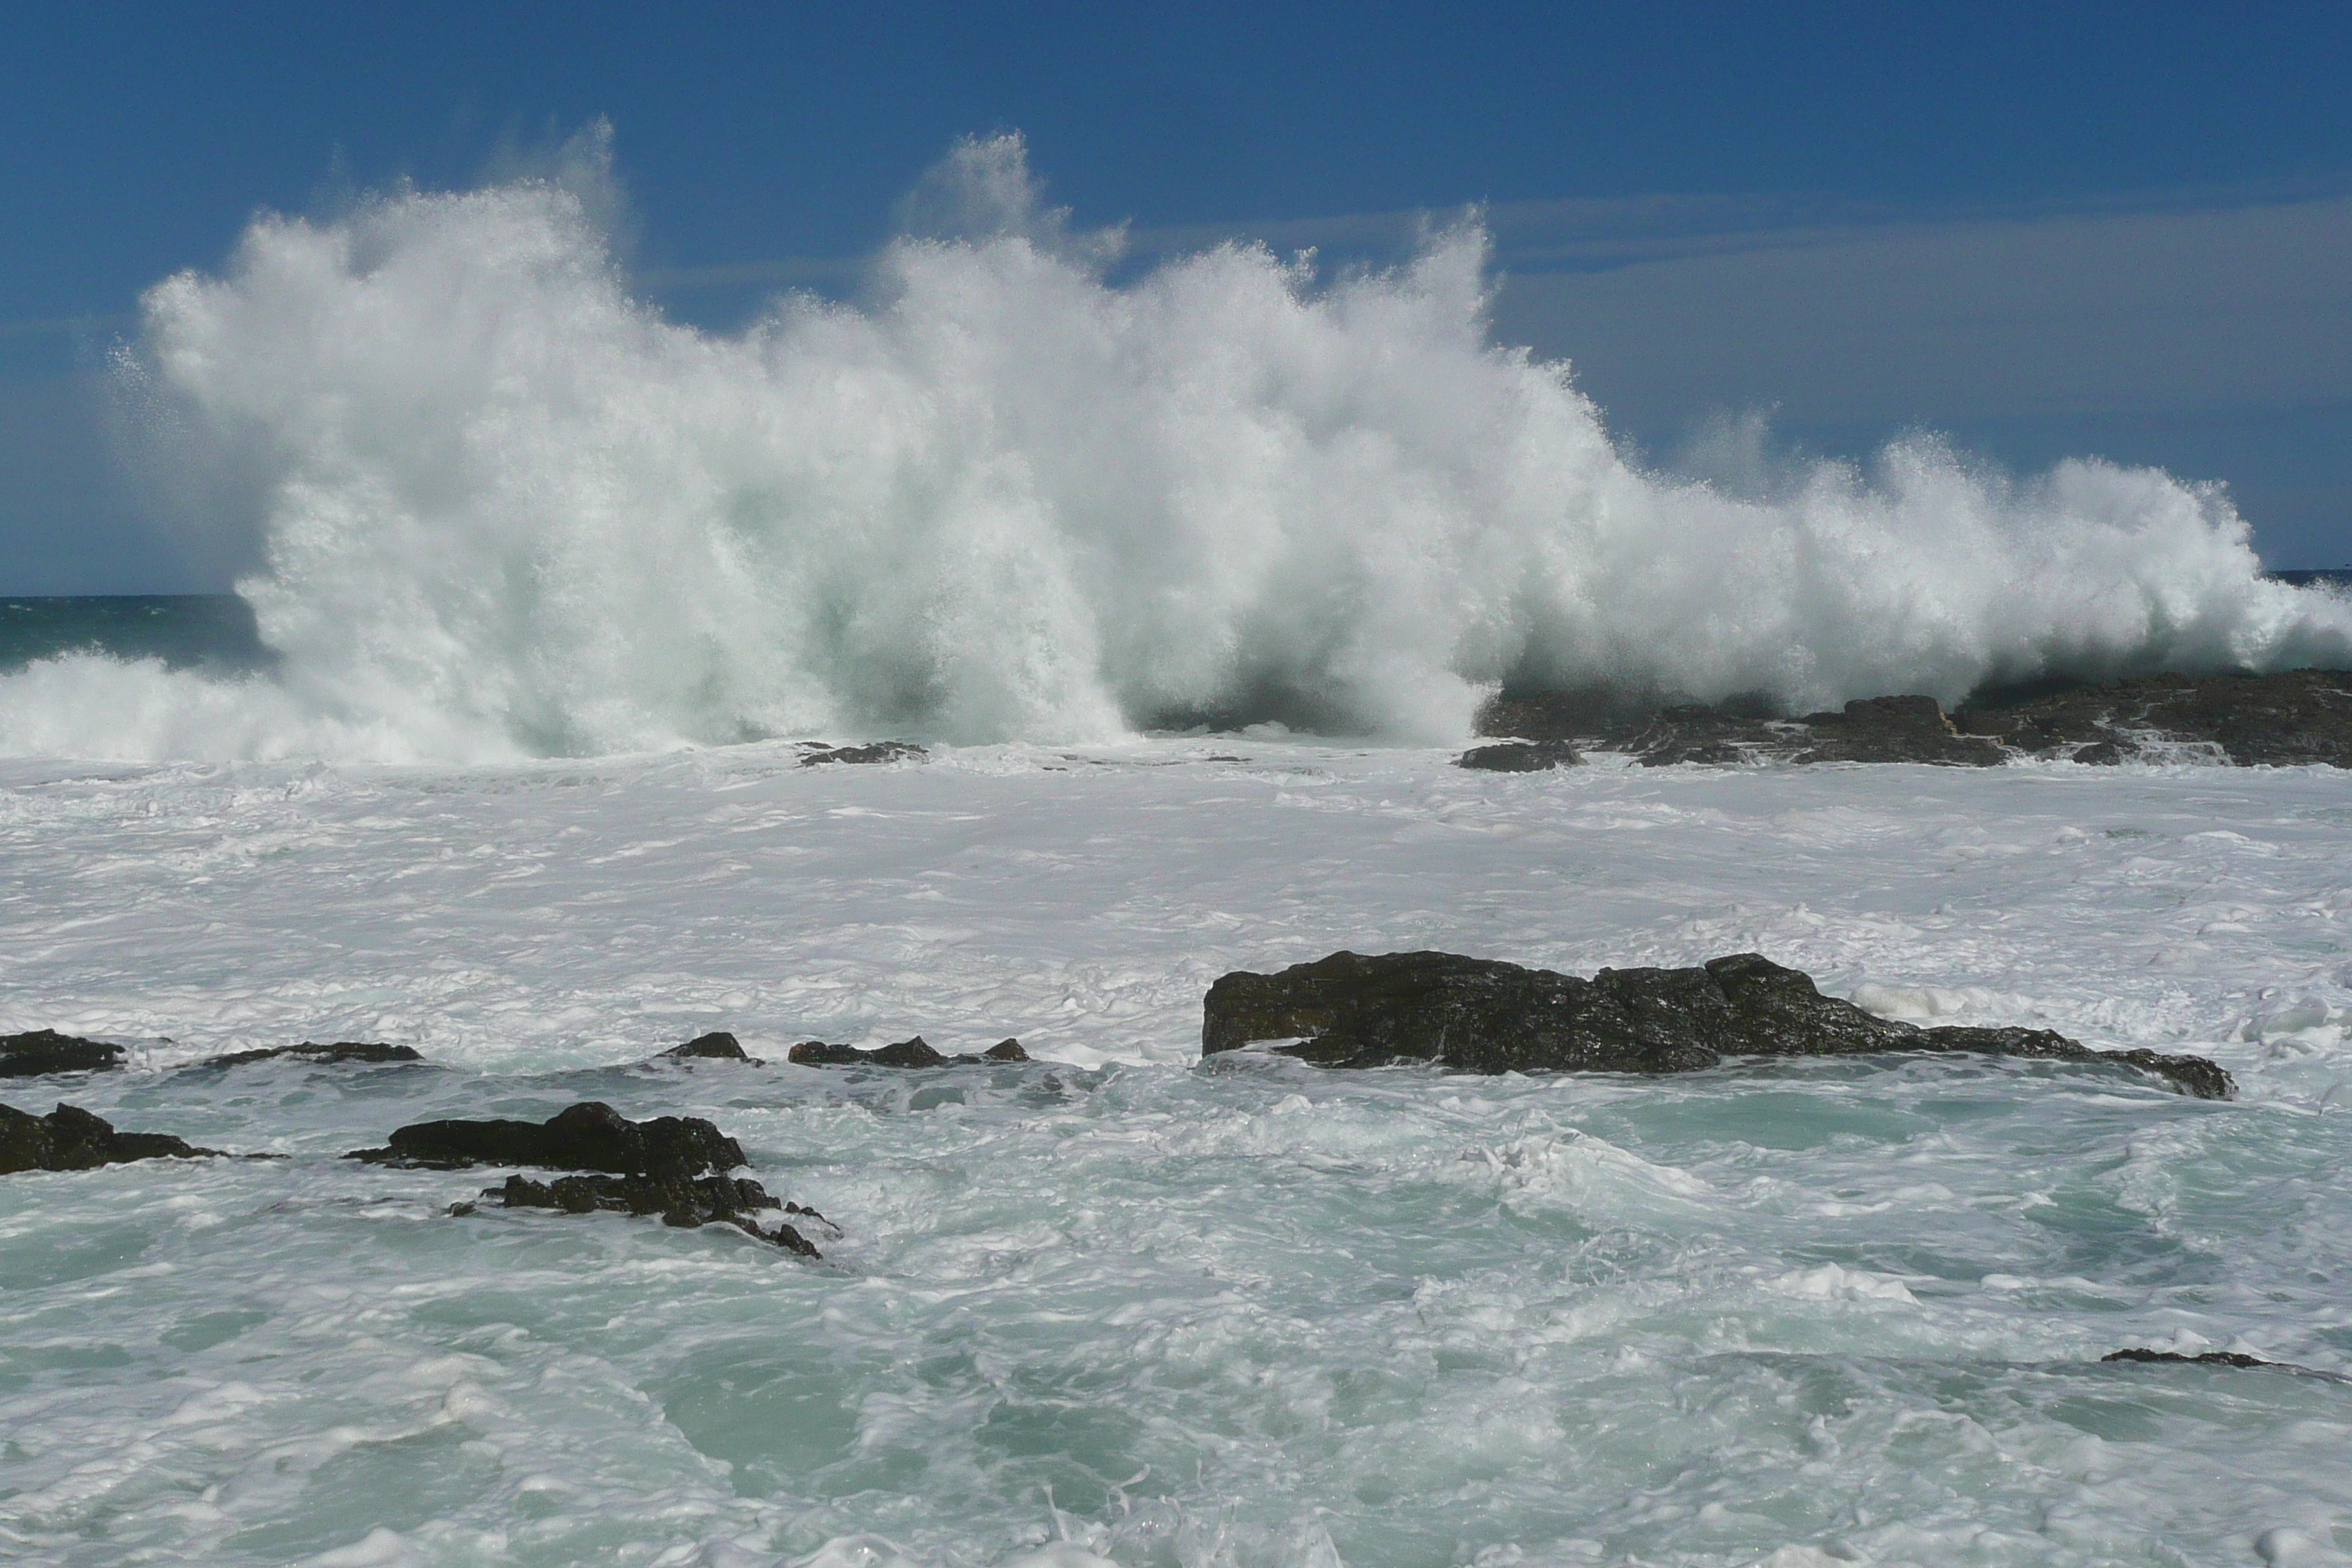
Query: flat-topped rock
[718,1046]
[1485,1015]
[39,1051]
[914,1053]
[2206,1358]
[71,1138]
[362,1052]
[591,1136]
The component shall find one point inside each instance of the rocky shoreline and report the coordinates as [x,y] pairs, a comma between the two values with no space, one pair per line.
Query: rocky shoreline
[2293,719]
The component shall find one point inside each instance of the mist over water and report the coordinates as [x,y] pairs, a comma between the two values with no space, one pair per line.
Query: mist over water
[503,507]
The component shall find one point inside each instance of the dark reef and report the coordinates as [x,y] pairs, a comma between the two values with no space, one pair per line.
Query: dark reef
[1484,1015]
[912,1052]
[718,1046]
[590,1136]
[709,1200]
[72,1138]
[2298,717]
[2209,1358]
[343,1051]
[813,754]
[45,1050]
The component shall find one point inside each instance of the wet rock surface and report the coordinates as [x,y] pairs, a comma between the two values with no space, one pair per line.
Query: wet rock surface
[360,1052]
[71,1138]
[590,1136]
[814,755]
[718,1046]
[45,1050]
[686,1202]
[914,1053]
[2208,1358]
[1484,1015]
[2298,717]
[1519,757]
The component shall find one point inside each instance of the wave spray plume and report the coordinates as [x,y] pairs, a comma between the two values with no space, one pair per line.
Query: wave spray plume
[505,508]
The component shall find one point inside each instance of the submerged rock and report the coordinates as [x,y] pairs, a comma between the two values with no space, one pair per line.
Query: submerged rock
[813,755]
[912,1052]
[718,1046]
[1519,757]
[72,1138]
[687,1203]
[1484,1015]
[341,1051]
[44,1051]
[590,1136]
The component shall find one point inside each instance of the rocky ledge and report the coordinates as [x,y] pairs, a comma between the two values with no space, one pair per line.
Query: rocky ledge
[2298,717]
[362,1052]
[912,1052]
[676,1166]
[718,1046]
[1482,1015]
[45,1050]
[72,1138]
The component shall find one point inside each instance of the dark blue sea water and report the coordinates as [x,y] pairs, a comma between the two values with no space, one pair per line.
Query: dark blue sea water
[187,631]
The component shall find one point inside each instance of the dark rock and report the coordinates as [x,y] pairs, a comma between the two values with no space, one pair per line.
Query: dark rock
[591,1136]
[1482,1015]
[72,1138]
[341,1051]
[716,1047]
[46,1050]
[1519,757]
[680,1201]
[2298,717]
[813,754]
[912,1052]
[2209,1358]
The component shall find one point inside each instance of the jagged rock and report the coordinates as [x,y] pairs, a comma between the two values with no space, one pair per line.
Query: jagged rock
[72,1138]
[1868,730]
[2208,1358]
[1519,757]
[341,1051]
[730,1200]
[912,1052]
[813,754]
[716,1047]
[590,1136]
[2298,717]
[1484,1015]
[45,1050]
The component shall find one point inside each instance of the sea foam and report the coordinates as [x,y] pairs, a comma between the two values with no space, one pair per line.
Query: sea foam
[503,506]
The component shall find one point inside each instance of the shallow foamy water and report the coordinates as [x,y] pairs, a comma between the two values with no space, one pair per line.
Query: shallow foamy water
[1120,1304]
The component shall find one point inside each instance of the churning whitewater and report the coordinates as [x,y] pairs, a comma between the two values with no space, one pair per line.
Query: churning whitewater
[503,507]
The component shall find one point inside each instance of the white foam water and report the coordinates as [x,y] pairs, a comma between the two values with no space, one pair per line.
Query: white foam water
[1120,1307]
[501,506]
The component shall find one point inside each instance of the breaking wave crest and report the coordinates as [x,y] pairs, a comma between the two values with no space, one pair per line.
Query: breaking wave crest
[505,508]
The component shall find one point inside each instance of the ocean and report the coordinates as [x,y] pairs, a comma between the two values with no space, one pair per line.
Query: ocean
[1121,1304]
[1192,578]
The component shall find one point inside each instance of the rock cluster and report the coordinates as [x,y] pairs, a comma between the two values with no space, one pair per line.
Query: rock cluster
[676,1166]
[45,1050]
[1484,1015]
[1520,757]
[72,1138]
[2298,717]
[914,1053]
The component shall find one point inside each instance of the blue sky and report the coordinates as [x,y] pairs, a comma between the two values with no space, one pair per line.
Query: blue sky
[2047,230]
